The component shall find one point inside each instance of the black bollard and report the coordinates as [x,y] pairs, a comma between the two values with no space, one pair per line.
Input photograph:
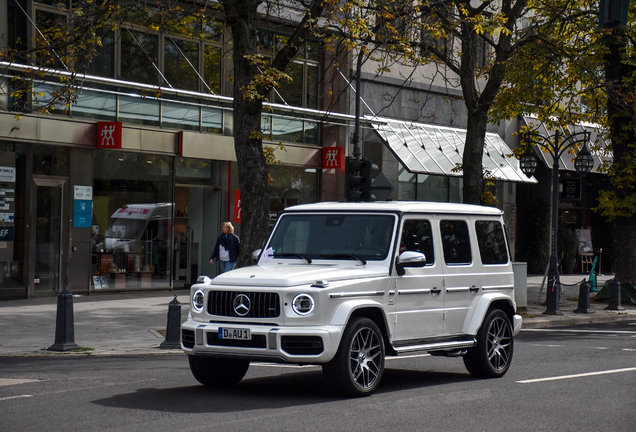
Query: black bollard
[584,298]
[173,329]
[64,325]
[615,296]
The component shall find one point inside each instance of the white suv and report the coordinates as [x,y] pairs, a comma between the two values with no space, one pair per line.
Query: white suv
[344,284]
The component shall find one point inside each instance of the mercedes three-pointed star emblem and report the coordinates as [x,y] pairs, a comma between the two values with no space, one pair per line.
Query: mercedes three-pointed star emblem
[241,304]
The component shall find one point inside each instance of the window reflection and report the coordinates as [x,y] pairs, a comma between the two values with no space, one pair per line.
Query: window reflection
[138,52]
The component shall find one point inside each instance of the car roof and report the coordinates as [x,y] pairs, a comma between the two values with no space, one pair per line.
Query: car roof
[399,207]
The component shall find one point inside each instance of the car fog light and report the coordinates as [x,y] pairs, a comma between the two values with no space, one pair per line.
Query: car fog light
[197,300]
[303,304]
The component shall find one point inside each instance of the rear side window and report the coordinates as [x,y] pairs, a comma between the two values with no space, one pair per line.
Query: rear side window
[455,242]
[417,236]
[492,242]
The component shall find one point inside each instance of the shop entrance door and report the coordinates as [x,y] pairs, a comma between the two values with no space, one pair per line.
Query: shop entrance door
[48,229]
[197,225]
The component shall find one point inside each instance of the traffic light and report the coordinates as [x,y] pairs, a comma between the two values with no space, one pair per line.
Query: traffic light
[353,179]
[613,14]
[358,184]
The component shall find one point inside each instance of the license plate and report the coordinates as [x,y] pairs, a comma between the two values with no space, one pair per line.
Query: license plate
[234,333]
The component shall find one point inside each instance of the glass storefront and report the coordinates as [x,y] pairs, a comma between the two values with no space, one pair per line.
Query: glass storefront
[290,186]
[132,221]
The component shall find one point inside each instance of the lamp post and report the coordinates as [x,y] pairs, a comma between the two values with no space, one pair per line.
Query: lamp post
[556,146]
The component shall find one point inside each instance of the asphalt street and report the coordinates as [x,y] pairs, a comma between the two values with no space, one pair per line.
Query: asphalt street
[574,378]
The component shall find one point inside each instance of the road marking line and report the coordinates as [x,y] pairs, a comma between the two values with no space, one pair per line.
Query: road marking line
[15,397]
[15,381]
[576,376]
[580,331]
[629,349]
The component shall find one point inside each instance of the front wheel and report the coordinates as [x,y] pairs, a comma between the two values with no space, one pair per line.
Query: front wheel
[357,368]
[218,372]
[492,355]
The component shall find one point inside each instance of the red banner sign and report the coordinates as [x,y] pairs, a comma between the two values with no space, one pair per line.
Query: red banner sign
[237,206]
[333,158]
[109,135]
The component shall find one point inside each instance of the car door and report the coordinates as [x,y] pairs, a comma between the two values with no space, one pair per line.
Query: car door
[419,294]
[462,278]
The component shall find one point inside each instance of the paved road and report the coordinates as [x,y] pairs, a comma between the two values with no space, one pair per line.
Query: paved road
[575,378]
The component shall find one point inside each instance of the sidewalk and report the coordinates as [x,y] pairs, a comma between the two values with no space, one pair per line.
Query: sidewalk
[134,323]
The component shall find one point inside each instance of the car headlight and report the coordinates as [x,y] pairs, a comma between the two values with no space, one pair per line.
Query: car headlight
[303,304]
[198,300]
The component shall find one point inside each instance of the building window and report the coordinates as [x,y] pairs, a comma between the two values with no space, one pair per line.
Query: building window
[139,52]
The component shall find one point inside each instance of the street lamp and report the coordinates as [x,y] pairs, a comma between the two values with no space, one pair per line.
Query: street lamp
[583,164]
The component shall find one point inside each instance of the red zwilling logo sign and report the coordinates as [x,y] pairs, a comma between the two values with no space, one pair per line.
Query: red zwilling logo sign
[109,135]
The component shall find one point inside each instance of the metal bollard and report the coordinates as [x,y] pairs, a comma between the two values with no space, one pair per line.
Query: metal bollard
[584,298]
[64,325]
[173,328]
[615,296]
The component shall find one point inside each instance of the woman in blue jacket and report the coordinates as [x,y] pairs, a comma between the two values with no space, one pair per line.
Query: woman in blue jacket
[227,248]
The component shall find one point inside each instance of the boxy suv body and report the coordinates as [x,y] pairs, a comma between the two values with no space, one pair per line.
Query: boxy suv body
[344,284]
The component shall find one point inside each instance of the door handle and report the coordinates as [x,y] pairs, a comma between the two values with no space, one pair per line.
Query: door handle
[474,289]
[435,290]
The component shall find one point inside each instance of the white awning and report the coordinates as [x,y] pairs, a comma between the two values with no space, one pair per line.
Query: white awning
[597,146]
[432,149]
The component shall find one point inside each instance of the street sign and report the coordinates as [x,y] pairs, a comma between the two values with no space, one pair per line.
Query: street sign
[382,187]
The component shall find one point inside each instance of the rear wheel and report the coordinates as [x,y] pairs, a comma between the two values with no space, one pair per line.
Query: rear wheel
[492,355]
[216,372]
[357,368]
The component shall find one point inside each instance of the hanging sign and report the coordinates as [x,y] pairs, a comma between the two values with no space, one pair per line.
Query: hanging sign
[109,135]
[333,158]
[237,206]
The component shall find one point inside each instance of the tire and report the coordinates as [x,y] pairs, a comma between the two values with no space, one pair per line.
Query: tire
[492,355]
[218,372]
[358,366]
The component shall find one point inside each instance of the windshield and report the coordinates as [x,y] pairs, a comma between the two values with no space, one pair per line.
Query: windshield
[125,229]
[333,236]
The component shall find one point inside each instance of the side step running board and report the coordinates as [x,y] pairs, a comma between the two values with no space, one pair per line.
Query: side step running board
[437,346]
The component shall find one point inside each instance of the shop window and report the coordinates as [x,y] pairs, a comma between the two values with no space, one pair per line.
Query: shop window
[492,242]
[455,242]
[406,185]
[432,188]
[291,186]
[50,160]
[132,220]
[139,51]
[194,171]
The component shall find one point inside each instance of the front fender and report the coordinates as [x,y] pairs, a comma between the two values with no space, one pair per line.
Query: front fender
[346,308]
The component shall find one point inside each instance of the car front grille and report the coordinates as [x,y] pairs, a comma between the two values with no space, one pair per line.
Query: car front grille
[261,305]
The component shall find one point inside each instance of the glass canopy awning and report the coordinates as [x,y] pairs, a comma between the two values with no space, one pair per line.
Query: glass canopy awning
[432,149]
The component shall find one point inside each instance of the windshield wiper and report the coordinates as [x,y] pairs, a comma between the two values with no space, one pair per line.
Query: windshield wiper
[288,255]
[349,256]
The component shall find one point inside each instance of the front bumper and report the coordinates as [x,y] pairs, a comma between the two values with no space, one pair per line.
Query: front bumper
[301,345]
[516,324]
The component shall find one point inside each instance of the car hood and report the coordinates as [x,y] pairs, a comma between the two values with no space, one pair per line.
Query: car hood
[292,275]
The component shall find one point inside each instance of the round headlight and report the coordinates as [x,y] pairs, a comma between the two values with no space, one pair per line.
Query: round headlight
[198,300]
[303,304]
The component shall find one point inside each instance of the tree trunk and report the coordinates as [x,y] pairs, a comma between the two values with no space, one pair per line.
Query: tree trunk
[622,134]
[248,143]
[473,158]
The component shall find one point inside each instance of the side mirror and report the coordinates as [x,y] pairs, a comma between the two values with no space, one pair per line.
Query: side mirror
[256,254]
[409,259]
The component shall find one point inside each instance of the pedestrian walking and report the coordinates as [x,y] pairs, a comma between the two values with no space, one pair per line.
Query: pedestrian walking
[227,248]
